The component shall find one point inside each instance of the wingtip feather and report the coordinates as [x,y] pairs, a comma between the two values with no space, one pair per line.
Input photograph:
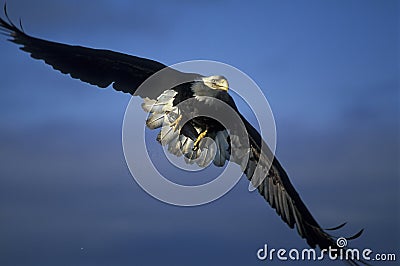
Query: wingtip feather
[357,235]
[336,227]
[8,26]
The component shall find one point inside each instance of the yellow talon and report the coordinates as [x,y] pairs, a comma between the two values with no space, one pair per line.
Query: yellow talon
[175,124]
[200,137]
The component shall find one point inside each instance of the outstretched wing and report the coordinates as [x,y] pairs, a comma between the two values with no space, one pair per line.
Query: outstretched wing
[278,191]
[276,188]
[97,67]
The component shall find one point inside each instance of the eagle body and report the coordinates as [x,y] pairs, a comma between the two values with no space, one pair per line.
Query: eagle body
[169,108]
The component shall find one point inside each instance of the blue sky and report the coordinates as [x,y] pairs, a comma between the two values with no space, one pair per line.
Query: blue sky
[329,69]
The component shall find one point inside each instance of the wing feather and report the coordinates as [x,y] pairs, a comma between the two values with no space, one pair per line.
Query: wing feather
[95,66]
[277,189]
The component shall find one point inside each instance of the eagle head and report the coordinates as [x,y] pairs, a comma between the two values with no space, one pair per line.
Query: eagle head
[216,82]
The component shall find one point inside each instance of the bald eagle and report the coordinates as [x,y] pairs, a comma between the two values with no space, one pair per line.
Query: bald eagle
[126,73]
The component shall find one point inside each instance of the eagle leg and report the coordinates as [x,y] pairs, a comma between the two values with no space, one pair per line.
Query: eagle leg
[200,137]
[175,124]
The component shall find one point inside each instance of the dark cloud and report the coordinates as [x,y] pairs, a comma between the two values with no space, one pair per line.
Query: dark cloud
[82,16]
